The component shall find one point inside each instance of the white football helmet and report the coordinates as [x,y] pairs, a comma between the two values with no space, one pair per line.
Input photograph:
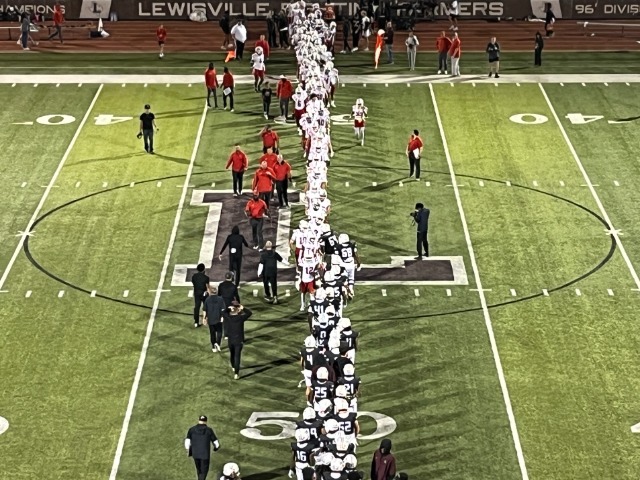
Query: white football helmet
[320,294]
[331,425]
[302,435]
[341,405]
[334,344]
[330,311]
[344,324]
[343,238]
[230,469]
[341,392]
[326,228]
[259,50]
[337,465]
[309,413]
[322,374]
[322,322]
[350,461]
[303,225]
[349,370]
[359,102]
[329,277]
[309,342]
[324,407]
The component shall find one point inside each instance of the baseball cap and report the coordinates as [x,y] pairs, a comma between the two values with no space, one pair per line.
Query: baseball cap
[203,418]
[147,106]
[282,77]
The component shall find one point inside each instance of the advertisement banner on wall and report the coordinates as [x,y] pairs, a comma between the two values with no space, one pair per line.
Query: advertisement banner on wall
[604,10]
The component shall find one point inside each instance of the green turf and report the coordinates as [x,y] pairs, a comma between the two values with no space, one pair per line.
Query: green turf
[280,62]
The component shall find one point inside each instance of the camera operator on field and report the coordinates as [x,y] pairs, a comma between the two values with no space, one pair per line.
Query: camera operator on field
[421,220]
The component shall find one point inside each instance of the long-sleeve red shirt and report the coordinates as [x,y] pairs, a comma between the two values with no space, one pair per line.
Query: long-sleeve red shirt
[210,78]
[263,180]
[443,44]
[455,51]
[238,161]
[227,80]
[282,170]
[265,47]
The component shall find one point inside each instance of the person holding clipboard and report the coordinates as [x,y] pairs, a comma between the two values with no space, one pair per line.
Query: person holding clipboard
[198,443]
[227,89]
[414,153]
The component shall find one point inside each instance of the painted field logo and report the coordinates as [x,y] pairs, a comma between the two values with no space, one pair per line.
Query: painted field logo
[225,211]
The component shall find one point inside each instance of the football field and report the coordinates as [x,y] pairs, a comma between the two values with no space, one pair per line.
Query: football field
[524,365]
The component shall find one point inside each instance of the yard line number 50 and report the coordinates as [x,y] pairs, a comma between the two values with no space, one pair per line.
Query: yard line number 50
[574,118]
[385,425]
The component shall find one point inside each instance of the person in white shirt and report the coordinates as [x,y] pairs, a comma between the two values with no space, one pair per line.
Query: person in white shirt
[359,115]
[239,34]
[412,47]
[454,13]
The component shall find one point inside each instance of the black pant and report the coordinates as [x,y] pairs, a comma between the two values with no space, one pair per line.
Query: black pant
[282,187]
[235,353]
[56,33]
[284,107]
[345,43]
[235,263]
[266,196]
[284,38]
[442,61]
[256,231]
[414,164]
[237,182]
[270,279]
[212,91]
[215,333]
[537,57]
[265,106]
[271,34]
[202,467]
[198,298]
[355,37]
[224,99]
[239,49]
[421,243]
[148,140]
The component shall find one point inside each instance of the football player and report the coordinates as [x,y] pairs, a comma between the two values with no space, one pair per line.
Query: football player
[317,305]
[348,252]
[297,238]
[307,273]
[301,453]
[328,243]
[257,63]
[349,338]
[230,471]
[347,422]
[352,383]
[307,361]
[359,115]
[310,423]
[299,101]
[322,330]
[321,387]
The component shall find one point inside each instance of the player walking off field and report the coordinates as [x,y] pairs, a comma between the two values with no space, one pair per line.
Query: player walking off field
[211,82]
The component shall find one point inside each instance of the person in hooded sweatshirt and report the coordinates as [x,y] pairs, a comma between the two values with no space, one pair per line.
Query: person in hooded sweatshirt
[268,270]
[383,465]
[235,241]
[198,443]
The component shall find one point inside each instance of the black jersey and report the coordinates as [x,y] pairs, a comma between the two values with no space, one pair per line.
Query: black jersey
[312,426]
[347,252]
[302,452]
[329,476]
[321,390]
[350,338]
[308,357]
[352,385]
[329,243]
[321,334]
[318,308]
[347,424]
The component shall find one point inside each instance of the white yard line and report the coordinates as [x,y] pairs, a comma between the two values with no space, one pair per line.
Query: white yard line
[156,304]
[483,299]
[47,190]
[596,197]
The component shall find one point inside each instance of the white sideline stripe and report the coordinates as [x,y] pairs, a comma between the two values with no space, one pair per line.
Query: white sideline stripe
[513,292]
[545,292]
[28,294]
[156,304]
[603,212]
[616,183]
[61,294]
[610,292]
[93,293]
[384,292]
[47,191]
[416,292]
[255,292]
[483,299]
[23,184]
[125,294]
[578,292]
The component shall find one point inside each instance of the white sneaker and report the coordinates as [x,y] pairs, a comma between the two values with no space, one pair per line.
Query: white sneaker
[266,117]
[302,308]
[235,377]
[27,48]
[333,104]
[342,51]
[299,132]
[216,347]
[355,49]
[225,108]
[439,72]
[232,110]
[445,72]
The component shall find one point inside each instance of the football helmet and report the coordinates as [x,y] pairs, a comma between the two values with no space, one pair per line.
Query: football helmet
[259,50]
[309,413]
[341,392]
[341,405]
[310,342]
[344,324]
[359,102]
[322,322]
[333,26]
[302,435]
[337,465]
[331,425]
[330,311]
[326,228]
[350,461]
[303,225]
[329,277]
[322,374]
[324,406]
[343,238]
[349,370]
[230,469]
[320,294]
[334,344]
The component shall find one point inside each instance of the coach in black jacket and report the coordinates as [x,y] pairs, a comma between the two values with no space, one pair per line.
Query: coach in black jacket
[234,317]
[268,270]
[421,217]
[198,443]
[235,242]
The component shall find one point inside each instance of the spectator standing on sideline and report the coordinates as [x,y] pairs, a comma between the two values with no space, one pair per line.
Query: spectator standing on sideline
[239,163]
[270,139]
[228,85]
[455,51]
[214,307]
[235,242]
[355,32]
[234,317]
[443,44]
[383,465]
[58,20]
[263,181]
[365,28]
[493,50]
[161,35]
[200,282]
[283,30]
[211,82]
[454,13]
[346,31]
[282,170]
[261,42]
[284,91]
[421,217]
[412,48]
[388,42]
[549,19]
[25,25]
[239,34]
[256,210]
[147,127]
[414,153]
[537,51]
[266,93]
[268,270]
[272,28]
[225,26]
[198,443]
[228,290]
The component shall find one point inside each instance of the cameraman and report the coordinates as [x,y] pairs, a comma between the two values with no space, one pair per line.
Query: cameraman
[421,219]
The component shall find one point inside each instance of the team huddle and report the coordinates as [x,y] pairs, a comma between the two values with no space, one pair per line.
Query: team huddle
[326,438]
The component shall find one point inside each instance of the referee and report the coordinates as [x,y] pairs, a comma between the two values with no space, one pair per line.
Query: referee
[198,444]
[147,127]
[200,281]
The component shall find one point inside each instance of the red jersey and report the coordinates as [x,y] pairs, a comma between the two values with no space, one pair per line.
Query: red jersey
[161,33]
[256,208]
[270,158]
[227,80]
[282,170]
[210,78]
[443,44]
[265,47]
[269,139]
[263,180]
[455,49]
[415,143]
[238,161]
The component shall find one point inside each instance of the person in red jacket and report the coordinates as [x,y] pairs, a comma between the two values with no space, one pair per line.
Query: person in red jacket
[270,139]
[58,20]
[256,210]
[269,157]
[443,44]
[238,162]
[265,46]
[211,82]
[263,182]
[227,89]
[414,153]
[282,169]
[284,93]
[161,35]
[383,465]
[455,51]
